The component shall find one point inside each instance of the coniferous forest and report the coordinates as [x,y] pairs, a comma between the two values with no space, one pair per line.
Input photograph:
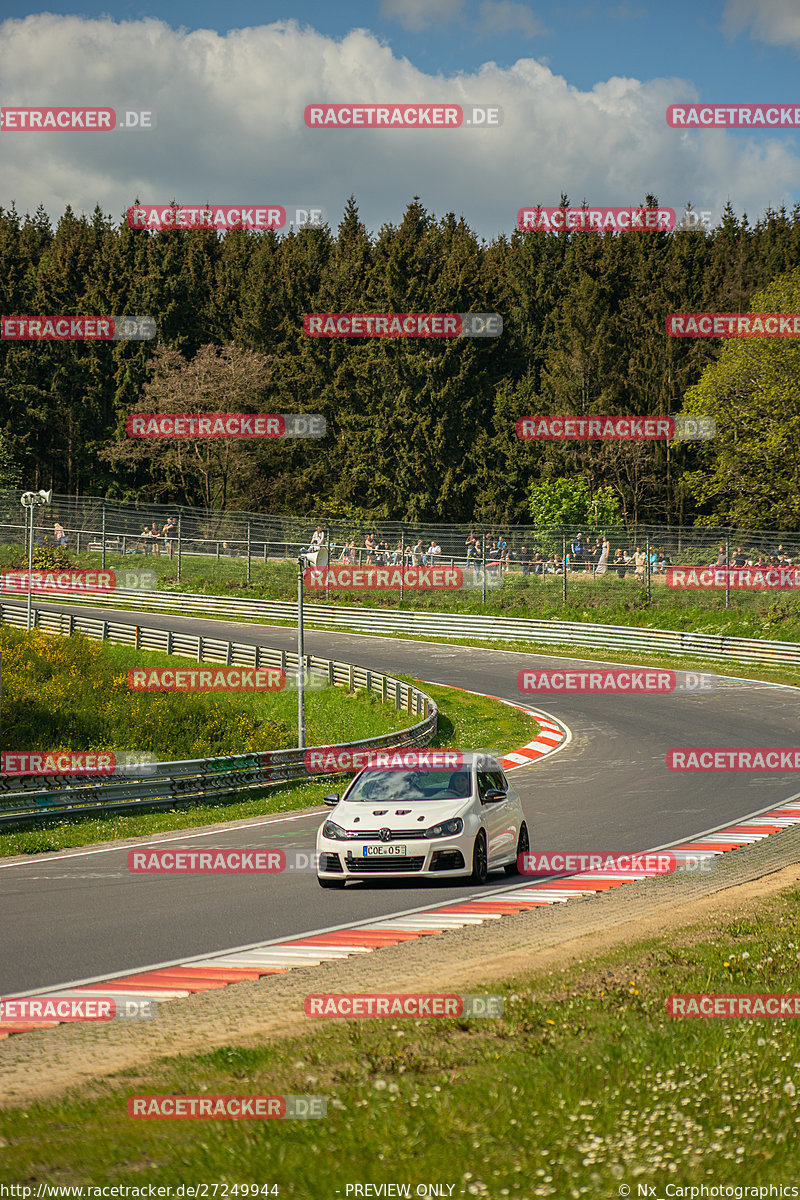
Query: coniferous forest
[418,429]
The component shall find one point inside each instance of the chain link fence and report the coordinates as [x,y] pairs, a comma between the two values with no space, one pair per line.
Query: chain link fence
[562,562]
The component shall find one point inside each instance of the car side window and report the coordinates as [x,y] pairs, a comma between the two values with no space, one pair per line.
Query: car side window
[498,781]
[484,783]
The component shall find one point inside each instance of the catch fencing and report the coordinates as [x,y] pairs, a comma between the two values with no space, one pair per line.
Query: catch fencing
[111,532]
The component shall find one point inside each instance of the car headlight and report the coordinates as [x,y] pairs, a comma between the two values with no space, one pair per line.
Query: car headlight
[331,830]
[446,828]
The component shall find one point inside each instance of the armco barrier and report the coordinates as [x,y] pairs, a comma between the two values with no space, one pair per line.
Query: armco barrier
[454,625]
[28,797]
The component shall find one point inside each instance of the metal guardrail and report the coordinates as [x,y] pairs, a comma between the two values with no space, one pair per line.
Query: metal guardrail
[454,625]
[164,784]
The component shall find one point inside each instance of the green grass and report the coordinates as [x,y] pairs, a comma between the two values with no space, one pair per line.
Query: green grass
[585,1086]
[468,722]
[72,693]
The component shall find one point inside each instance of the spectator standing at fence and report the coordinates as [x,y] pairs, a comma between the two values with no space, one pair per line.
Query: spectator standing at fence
[619,563]
[434,551]
[59,534]
[170,533]
[155,538]
[576,550]
[477,556]
[470,545]
[317,540]
[640,564]
[602,563]
[418,553]
[147,539]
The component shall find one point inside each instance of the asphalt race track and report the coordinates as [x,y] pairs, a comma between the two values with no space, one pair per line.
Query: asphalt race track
[82,915]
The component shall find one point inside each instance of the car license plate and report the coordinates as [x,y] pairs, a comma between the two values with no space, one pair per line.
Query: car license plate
[391,849]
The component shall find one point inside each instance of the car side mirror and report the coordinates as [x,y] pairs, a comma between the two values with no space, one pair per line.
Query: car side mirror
[494,796]
[332,800]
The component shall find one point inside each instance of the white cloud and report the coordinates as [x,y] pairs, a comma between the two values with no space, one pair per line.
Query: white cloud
[774,21]
[506,16]
[230,129]
[418,15]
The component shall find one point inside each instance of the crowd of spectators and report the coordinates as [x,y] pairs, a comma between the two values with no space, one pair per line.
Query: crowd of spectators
[740,558]
[583,557]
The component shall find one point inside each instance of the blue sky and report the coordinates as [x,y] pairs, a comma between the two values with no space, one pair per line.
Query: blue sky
[583,87]
[583,42]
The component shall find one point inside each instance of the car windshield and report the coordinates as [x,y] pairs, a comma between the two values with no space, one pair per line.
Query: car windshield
[410,785]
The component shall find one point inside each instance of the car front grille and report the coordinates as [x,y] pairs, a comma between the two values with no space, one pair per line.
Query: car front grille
[389,862]
[398,835]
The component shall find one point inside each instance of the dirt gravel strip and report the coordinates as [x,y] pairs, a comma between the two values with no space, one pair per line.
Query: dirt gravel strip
[45,1063]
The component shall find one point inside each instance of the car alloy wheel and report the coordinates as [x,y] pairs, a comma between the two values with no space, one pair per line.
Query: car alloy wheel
[523,846]
[480,862]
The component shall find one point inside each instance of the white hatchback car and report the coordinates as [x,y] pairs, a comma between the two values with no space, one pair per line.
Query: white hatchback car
[425,822]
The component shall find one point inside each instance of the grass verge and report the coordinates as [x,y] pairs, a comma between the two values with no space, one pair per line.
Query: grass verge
[469,722]
[585,1087]
[72,694]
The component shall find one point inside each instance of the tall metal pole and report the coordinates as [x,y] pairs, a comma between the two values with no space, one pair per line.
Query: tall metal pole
[483,564]
[402,563]
[30,564]
[103,563]
[564,567]
[180,546]
[727,572]
[301,709]
[649,580]
[248,551]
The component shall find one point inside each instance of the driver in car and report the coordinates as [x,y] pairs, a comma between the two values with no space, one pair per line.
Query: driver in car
[459,784]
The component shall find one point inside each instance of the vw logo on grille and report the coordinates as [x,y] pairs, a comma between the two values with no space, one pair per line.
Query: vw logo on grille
[386,835]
